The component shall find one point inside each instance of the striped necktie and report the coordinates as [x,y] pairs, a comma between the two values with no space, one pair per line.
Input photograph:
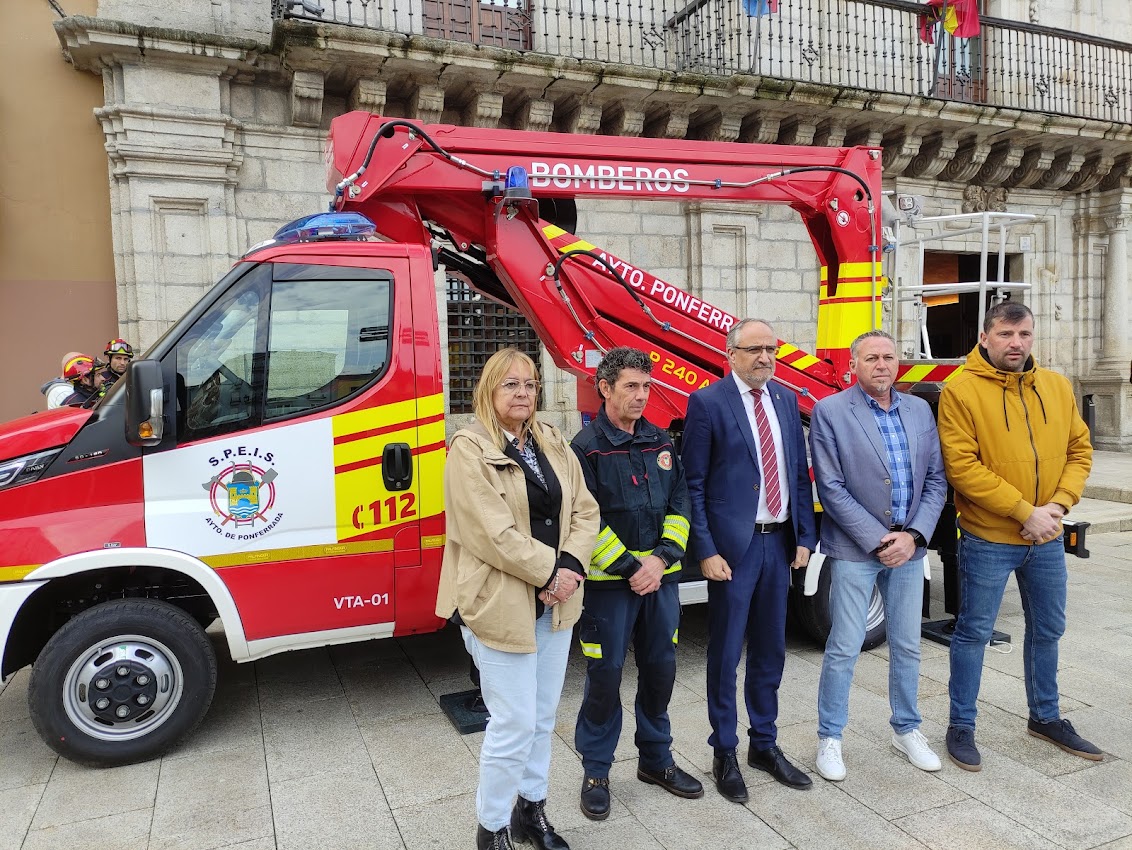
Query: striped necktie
[768,455]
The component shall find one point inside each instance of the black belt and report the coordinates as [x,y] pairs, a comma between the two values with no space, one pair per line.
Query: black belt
[770,527]
[896,527]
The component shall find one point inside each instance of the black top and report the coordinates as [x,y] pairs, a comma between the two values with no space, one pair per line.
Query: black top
[544,500]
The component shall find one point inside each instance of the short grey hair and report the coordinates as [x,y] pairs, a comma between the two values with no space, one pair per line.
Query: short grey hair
[737,328]
[869,335]
[623,357]
[1008,312]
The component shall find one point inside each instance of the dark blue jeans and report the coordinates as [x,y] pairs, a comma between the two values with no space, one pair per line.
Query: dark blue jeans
[984,568]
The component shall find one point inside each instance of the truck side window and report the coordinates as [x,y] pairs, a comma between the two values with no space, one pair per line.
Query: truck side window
[220,362]
[329,335]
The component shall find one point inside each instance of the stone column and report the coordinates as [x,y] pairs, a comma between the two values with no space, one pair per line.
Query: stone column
[1108,382]
[1117,294]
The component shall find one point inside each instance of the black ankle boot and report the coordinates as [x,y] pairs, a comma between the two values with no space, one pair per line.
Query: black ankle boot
[529,823]
[488,840]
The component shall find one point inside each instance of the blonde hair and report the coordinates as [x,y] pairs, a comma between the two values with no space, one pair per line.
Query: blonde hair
[483,405]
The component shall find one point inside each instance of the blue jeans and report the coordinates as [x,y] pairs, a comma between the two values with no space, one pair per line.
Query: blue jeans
[851,589]
[984,568]
[521,690]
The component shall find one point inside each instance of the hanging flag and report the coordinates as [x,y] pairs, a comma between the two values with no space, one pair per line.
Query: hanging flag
[961,18]
[755,8]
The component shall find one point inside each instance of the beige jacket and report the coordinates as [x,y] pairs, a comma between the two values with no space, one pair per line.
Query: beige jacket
[492,567]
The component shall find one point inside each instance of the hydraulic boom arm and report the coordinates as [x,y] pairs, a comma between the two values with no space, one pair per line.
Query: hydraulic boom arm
[456,185]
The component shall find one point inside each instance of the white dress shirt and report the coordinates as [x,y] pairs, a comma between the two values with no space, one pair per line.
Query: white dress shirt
[764,515]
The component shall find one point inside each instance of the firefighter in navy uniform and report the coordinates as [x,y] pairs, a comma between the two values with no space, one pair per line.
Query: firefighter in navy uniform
[632,588]
[118,355]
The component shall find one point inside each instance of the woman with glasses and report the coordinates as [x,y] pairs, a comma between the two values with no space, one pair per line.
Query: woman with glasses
[520,524]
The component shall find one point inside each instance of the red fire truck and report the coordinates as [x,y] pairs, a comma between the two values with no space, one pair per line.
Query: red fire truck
[275,460]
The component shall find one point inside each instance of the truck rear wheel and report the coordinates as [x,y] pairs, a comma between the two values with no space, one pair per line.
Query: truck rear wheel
[814,616]
[122,682]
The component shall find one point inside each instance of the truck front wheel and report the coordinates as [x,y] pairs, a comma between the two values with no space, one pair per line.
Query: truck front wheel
[122,682]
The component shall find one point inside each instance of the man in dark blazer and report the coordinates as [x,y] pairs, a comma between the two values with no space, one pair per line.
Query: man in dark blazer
[744,457]
[879,472]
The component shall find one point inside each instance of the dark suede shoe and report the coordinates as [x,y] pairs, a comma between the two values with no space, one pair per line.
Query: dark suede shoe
[673,780]
[728,780]
[1061,734]
[488,840]
[777,765]
[529,823]
[595,798]
[961,749]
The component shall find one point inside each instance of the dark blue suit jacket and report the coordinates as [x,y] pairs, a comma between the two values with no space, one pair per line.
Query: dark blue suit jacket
[722,468]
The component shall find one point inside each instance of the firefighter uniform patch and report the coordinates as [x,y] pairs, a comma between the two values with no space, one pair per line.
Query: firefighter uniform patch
[664,459]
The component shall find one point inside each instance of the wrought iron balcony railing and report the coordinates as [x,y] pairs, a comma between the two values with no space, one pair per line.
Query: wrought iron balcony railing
[874,45]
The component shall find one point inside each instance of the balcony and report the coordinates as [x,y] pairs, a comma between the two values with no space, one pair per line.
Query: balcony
[869,46]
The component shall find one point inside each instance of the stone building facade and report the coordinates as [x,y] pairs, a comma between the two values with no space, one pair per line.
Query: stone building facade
[215,112]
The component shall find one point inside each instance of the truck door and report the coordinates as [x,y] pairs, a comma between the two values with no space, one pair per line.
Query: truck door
[291,471]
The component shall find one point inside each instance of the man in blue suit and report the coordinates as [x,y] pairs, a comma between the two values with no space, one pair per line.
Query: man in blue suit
[880,479]
[744,457]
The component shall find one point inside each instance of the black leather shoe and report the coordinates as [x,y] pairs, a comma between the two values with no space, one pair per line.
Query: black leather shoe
[673,780]
[728,779]
[529,823]
[488,840]
[775,763]
[595,798]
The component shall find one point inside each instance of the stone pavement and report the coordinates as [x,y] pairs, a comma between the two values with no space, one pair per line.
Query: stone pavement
[347,748]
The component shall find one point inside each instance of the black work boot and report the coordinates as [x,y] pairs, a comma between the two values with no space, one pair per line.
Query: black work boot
[529,823]
[595,798]
[488,840]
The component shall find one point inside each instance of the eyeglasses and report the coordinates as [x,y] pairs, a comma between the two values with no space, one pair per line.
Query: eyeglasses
[758,349]
[512,387]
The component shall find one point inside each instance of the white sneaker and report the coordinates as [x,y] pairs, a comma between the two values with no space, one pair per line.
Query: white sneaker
[829,762]
[914,745]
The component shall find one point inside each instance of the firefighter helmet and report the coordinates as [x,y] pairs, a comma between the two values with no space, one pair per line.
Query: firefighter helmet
[78,367]
[118,346]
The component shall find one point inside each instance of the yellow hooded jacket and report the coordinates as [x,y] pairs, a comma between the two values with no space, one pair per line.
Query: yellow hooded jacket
[1011,441]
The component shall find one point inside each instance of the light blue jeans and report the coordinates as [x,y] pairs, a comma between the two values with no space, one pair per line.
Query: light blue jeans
[984,568]
[521,690]
[851,589]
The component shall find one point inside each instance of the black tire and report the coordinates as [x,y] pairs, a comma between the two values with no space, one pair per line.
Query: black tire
[813,613]
[141,656]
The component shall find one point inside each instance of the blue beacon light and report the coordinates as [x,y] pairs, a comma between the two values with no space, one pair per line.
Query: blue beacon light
[517,185]
[323,226]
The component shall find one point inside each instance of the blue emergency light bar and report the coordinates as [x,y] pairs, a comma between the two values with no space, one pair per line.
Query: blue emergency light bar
[320,226]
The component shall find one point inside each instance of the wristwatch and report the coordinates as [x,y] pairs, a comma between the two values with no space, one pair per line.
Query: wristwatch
[918,538]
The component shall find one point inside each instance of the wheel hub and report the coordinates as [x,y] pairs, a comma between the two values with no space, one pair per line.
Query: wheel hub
[122,688]
[121,691]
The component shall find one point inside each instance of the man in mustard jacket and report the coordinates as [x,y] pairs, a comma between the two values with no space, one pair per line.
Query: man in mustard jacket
[1017,453]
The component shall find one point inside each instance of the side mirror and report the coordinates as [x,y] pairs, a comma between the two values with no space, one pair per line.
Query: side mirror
[145,403]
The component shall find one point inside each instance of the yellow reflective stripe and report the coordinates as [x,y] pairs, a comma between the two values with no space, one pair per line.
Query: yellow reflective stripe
[609,548]
[552,231]
[676,636]
[916,373]
[676,529]
[591,650]
[851,270]
[580,245]
[839,324]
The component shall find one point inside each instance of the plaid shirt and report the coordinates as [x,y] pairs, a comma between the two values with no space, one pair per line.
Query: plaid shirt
[899,455]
